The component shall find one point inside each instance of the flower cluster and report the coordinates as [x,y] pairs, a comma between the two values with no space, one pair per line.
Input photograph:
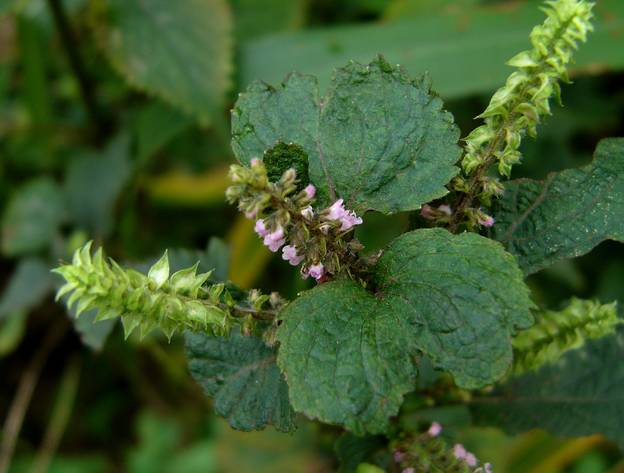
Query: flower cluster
[319,240]
[184,300]
[516,108]
[427,452]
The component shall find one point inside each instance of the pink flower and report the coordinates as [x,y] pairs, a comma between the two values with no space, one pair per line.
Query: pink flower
[470,459]
[399,456]
[252,214]
[260,228]
[486,220]
[445,209]
[459,451]
[310,191]
[488,468]
[307,212]
[434,430]
[426,212]
[409,470]
[349,221]
[317,271]
[337,210]
[348,218]
[289,253]
[275,240]
[254,162]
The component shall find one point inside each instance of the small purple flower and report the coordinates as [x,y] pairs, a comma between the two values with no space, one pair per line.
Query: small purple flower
[254,162]
[348,218]
[349,221]
[459,451]
[310,191]
[445,209]
[434,430]
[307,212]
[486,220]
[317,271]
[398,456]
[488,468]
[260,228]
[426,212]
[337,210]
[470,459]
[289,253]
[275,240]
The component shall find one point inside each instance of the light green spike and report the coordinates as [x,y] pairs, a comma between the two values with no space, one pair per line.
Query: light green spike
[156,300]
[556,332]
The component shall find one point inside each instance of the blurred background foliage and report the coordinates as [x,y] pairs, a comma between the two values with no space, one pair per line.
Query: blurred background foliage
[114,126]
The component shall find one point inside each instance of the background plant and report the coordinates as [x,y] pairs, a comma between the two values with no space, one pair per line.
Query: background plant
[85,156]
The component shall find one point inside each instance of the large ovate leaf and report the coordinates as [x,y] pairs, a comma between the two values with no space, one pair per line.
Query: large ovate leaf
[180,51]
[241,375]
[346,357]
[582,394]
[348,353]
[378,139]
[32,217]
[462,296]
[568,214]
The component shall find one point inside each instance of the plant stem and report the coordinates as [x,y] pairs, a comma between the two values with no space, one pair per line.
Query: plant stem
[69,42]
[23,395]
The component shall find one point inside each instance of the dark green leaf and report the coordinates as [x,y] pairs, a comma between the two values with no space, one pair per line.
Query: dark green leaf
[32,217]
[93,184]
[379,140]
[568,214]
[346,357]
[29,285]
[582,394]
[461,297]
[181,51]
[348,354]
[241,375]
[465,52]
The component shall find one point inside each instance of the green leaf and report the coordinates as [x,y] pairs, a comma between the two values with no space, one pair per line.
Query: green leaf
[241,375]
[378,139]
[582,394]
[568,214]
[346,357]
[29,285]
[93,184]
[464,51]
[32,217]
[461,297]
[180,51]
[348,353]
